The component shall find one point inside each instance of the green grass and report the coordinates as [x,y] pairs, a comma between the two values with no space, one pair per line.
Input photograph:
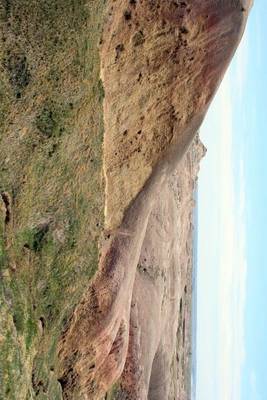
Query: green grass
[51,133]
[50,120]
[33,238]
[114,392]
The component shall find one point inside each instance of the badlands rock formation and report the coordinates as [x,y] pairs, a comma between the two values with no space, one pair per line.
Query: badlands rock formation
[100,104]
[143,315]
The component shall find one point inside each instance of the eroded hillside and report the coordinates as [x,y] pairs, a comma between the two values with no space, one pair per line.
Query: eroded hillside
[99,103]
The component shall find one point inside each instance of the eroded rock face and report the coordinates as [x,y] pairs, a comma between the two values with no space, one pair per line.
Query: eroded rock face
[161,64]
[158,361]
[134,326]
[74,201]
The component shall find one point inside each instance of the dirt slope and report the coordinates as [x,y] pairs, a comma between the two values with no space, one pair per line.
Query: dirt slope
[99,102]
[160,65]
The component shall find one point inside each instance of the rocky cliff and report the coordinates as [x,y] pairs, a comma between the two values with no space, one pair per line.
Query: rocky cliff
[100,102]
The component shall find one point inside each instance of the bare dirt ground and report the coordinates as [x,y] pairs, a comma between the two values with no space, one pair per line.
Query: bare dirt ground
[161,304]
[161,64]
[99,103]
[146,311]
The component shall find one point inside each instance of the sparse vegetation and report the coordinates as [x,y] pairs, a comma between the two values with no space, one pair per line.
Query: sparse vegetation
[50,120]
[51,133]
[114,391]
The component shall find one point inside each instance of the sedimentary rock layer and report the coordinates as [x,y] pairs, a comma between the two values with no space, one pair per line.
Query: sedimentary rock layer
[99,103]
[161,63]
[134,326]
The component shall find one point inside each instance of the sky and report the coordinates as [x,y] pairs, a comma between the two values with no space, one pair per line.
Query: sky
[232,239]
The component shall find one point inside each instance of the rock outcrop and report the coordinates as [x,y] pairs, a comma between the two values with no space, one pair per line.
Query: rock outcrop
[161,63]
[100,105]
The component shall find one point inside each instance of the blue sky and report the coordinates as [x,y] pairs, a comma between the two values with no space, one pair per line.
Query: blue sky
[232,277]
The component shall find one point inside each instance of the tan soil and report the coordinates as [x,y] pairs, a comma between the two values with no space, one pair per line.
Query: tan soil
[134,308]
[99,102]
[161,65]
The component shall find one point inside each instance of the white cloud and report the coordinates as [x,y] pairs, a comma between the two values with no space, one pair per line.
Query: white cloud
[240,64]
[254,393]
[258,36]
[230,260]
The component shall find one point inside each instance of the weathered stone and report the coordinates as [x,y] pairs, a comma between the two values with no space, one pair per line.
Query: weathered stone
[100,102]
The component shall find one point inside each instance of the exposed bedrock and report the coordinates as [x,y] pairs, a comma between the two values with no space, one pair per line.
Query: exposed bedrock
[127,325]
[161,63]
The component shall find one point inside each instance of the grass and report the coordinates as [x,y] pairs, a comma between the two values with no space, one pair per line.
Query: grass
[33,238]
[114,392]
[51,132]
[51,120]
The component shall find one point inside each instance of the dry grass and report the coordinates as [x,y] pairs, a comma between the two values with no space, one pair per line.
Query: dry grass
[51,147]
